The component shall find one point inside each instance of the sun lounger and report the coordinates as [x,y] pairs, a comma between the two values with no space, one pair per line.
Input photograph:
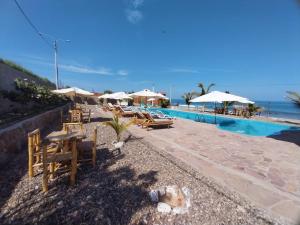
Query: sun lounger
[151,122]
[124,113]
[139,118]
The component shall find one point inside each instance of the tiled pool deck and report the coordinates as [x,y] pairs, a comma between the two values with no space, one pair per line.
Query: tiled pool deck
[264,170]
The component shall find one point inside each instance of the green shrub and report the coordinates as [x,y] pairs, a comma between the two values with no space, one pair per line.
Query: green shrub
[164,103]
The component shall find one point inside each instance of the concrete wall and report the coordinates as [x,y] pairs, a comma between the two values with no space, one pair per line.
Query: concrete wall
[13,139]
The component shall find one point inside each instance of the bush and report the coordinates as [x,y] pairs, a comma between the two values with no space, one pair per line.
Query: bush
[164,103]
[29,91]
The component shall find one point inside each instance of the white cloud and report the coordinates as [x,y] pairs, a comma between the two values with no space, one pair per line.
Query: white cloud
[137,3]
[183,70]
[82,69]
[133,15]
[200,70]
[122,72]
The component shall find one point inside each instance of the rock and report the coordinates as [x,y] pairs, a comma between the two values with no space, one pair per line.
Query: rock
[60,204]
[173,196]
[89,197]
[153,195]
[179,210]
[36,187]
[163,207]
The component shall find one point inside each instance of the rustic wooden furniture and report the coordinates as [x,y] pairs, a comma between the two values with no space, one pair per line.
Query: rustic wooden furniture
[88,149]
[151,122]
[34,151]
[75,115]
[86,116]
[55,159]
[139,118]
[124,113]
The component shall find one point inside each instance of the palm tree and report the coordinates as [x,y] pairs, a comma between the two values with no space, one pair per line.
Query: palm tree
[294,97]
[203,90]
[118,126]
[188,97]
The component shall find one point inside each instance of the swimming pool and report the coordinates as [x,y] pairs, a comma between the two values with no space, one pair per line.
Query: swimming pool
[236,125]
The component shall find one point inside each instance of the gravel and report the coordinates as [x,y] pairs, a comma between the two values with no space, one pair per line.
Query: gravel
[116,191]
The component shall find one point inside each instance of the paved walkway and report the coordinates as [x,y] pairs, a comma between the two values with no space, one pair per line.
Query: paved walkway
[264,170]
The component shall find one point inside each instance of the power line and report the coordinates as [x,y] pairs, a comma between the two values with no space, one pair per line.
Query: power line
[32,25]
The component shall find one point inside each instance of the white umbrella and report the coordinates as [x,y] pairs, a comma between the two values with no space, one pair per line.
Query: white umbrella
[145,93]
[151,99]
[162,96]
[105,96]
[217,96]
[119,95]
[73,91]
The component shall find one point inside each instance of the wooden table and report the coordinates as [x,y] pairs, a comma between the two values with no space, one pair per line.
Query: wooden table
[64,137]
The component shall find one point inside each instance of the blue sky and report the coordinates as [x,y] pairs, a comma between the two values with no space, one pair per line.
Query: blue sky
[250,48]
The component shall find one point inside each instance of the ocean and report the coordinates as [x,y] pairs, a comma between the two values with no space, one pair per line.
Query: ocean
[278,109]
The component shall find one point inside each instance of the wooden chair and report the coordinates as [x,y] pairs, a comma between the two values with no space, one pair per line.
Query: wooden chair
[88,149]
[76,115]
[121,112]
[86,116]
[53,159]
[139,119]
[34,151]
[73,127]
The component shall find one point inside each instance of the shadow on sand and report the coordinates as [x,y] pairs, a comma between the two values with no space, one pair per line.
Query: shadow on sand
[106,194]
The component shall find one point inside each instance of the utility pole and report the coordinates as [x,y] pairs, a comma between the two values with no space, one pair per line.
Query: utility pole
[170,95]
[55,64]
[55,47]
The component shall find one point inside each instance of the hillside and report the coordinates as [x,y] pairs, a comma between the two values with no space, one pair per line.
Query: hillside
[23,93]
[9,71]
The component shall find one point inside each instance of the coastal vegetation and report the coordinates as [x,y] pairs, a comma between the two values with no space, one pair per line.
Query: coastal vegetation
[204,90]
[294,97]
[188,97]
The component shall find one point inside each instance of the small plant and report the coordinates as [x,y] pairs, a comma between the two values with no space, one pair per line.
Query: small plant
[164,103]
[252,109]
[118,126]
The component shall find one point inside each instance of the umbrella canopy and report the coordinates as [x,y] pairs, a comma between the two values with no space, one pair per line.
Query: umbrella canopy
[144,93]
[217,96]
[151,99]
[105,96]
[119,95]
[162,96]
[73,91]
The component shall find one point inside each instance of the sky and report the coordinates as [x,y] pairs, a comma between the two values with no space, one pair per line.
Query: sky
[250,48]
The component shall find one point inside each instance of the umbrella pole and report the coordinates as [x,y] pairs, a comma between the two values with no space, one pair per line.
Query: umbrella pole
[215,114]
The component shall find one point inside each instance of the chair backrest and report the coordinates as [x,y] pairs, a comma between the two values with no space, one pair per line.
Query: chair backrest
[34,140]
[140,115]
[73,127]
[148,117]
[76,115]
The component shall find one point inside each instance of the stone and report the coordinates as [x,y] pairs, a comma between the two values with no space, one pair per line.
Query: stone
[163,207]
[60,204]
[173,196]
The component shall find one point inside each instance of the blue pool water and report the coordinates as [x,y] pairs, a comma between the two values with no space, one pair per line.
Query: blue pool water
[241,126]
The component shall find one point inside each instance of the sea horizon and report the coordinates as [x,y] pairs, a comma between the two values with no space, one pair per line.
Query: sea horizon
[278,109]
